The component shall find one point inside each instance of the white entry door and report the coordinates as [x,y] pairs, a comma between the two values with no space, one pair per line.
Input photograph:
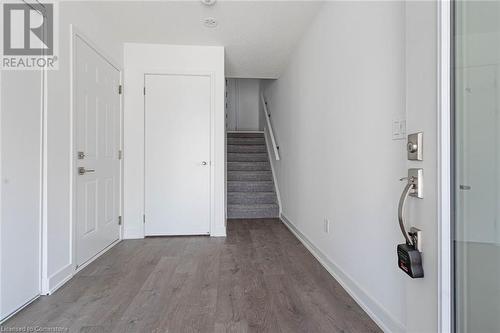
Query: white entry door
[97,112]
[177,154]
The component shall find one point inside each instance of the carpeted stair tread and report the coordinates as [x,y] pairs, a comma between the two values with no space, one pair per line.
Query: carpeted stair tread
[248,166]
[250,186]
[245,135]
[251,198]
[246,141]
[247,157]
[250,175]
[246,149]
[253,211]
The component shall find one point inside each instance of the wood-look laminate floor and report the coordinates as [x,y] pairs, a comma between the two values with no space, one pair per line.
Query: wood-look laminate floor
[259,278]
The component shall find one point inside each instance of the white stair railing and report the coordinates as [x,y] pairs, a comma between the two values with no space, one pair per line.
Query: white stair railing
[269,128]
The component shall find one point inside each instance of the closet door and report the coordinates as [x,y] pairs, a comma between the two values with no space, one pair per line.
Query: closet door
[177,155]
[21,115]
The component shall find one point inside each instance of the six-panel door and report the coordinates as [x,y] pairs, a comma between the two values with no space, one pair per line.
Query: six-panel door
[97,112]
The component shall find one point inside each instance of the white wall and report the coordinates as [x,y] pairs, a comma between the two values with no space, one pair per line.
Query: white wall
[360,65]
[332,111]
[155,58]
[243,106]
[60,264]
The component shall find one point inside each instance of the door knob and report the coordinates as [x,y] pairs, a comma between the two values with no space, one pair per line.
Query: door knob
[412,147]
[82,171]
[204,163]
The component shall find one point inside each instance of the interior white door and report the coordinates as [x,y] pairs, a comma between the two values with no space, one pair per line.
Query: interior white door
[177,154]
[248,100]
[97,112]
[242,104]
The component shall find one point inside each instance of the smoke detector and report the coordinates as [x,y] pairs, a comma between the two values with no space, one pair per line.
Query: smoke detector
[208,2]
[210,22]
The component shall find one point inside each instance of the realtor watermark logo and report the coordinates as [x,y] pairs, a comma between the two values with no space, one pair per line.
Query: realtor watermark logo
[29,36]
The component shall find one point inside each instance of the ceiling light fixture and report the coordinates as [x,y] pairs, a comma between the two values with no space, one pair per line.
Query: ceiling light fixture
[210,22]
[208,2]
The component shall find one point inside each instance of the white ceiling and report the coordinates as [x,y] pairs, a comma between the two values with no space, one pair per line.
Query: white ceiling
[258,35]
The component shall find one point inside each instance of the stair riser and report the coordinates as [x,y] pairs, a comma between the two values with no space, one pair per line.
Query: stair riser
[246,149]
[245,135]
[247,157]
[250,187]
[252,214]
[248,166]
[249,176]
[236,198]
[246,141]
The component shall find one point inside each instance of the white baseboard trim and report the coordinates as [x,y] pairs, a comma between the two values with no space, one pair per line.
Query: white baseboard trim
[218,234]
[133,233]
[375,310]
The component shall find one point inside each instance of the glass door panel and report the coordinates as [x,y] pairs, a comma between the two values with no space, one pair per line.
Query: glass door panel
[477,166]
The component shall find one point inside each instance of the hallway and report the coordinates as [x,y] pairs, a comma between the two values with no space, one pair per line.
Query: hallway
[260,279]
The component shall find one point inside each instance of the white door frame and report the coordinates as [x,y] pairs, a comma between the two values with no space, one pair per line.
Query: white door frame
[76,33]
[211,75]
[444,122]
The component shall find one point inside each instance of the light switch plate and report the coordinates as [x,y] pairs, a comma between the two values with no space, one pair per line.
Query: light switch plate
[398,128]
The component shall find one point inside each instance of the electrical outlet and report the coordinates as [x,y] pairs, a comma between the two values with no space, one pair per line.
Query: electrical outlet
[326,225]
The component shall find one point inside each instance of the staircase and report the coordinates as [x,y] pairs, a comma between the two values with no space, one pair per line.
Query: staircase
[250,187]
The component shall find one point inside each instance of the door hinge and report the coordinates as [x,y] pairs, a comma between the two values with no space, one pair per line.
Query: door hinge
[119,220]
[120,89]
[144,218]
[144,90]
[120,154]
